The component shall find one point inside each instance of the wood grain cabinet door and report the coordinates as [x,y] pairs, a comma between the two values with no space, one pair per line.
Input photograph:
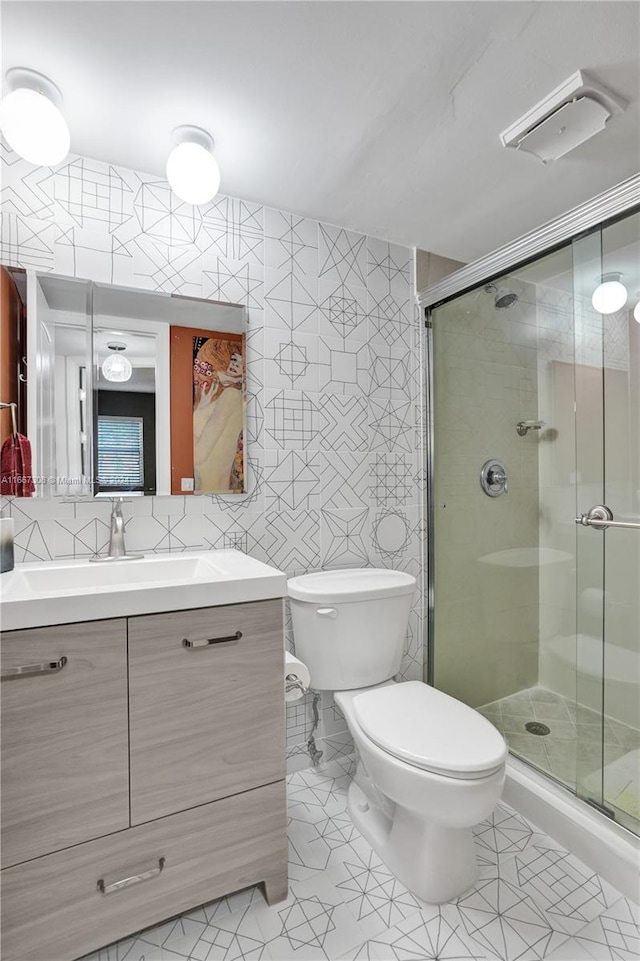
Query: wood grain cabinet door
[63,739]
[206,705]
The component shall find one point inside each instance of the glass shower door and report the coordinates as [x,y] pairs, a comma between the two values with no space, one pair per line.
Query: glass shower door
[607,394]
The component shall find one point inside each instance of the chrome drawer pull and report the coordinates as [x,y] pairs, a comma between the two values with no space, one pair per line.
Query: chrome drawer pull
[134,879]
[207,642]
[32,670]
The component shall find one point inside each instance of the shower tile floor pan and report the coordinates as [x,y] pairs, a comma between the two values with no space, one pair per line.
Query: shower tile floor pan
[574,745]
[532,901]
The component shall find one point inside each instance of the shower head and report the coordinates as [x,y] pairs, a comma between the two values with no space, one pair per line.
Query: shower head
[503,296]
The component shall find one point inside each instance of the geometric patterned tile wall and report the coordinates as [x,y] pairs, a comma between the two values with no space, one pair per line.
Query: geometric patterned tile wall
[334,360]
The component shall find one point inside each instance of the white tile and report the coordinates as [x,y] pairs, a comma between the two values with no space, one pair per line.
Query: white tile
[394,533]
[291,243]
[389,268]
[392,479]
[292,420]
[613,936]
[146,534]
[143,951]
[290,360]
[292,540]
[344,367]
[312,923]
[233,229]
[27,242]
[506,923]
[290,301]
[236,936]
[390,320]
[392,371]
[342,256]
[391,424]
[34,540]
[567,890]
[223,907]
[435,933]
[342,311]
[24,509]
[345,541]
[374,896]
[235,530]
[292,480]
[235,282]
[345,480]
[343,422]
[81,538]
[179,936]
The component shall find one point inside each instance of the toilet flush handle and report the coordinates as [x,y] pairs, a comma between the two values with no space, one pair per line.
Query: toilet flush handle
[326,611]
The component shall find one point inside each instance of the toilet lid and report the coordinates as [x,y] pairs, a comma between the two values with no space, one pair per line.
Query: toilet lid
[354,584]
[429,729]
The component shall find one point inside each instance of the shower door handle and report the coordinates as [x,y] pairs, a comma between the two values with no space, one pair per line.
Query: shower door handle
[601,517]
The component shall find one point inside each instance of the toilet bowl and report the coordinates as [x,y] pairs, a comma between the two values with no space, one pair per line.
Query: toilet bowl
[429,767]
[442,767]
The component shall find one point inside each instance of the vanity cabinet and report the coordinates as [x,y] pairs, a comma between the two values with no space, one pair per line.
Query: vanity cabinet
[205,700]
[63,744]
[143,765]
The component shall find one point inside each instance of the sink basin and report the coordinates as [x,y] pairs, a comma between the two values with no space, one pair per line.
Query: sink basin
[64,592]
[69,578]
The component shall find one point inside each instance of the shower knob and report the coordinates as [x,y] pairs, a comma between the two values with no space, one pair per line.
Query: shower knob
[493,478]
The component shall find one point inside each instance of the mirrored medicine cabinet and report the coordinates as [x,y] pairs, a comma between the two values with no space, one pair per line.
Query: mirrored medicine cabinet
[122,391]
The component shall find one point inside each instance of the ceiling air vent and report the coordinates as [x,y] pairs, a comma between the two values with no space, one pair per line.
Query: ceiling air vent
[572,113]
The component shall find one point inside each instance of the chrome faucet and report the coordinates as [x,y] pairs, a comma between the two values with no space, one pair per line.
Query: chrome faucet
[117,550]
[116,536]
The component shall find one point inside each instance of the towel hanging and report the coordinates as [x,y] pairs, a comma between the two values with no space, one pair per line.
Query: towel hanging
[14,423]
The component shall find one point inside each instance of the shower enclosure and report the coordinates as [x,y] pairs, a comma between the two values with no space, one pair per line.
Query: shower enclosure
[534,501]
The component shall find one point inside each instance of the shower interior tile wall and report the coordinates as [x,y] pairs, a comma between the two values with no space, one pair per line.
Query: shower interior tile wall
[335,418]
[485,382]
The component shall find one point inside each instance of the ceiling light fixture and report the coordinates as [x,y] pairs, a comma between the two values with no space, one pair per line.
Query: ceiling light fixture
[610,295]
[192,171]
[636,312]
[30,118]
[116,367]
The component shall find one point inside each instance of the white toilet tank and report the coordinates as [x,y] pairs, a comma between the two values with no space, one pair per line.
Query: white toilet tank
[349,626]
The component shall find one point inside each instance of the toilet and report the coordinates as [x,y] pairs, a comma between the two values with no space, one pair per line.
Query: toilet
[429,767]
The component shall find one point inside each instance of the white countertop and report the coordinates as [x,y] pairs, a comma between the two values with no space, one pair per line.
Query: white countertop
[63,592]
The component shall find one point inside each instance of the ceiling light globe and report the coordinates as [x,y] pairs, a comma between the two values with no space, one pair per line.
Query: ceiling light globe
[116,368]
[636,312]
[33,126]
[609,297]
[193,174]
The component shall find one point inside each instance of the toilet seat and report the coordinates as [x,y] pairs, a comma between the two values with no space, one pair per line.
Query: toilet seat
[430,730]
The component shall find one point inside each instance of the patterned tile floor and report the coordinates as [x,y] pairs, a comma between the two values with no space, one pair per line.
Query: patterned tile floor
[574,747]
[532,901]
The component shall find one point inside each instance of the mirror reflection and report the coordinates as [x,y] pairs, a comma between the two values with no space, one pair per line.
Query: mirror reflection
[131,392]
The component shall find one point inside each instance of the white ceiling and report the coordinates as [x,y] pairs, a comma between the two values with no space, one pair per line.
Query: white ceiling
[383,117]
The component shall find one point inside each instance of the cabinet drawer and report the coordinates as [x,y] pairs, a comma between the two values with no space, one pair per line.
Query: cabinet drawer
[206,706]
[64,756]
[53,907]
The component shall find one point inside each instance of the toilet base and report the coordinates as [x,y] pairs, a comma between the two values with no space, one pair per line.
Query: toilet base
[434,862]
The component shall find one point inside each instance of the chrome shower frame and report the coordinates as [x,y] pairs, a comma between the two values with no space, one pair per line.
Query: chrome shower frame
[613,204]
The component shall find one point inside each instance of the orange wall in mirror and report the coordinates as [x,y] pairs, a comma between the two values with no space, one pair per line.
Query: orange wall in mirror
[12,331]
